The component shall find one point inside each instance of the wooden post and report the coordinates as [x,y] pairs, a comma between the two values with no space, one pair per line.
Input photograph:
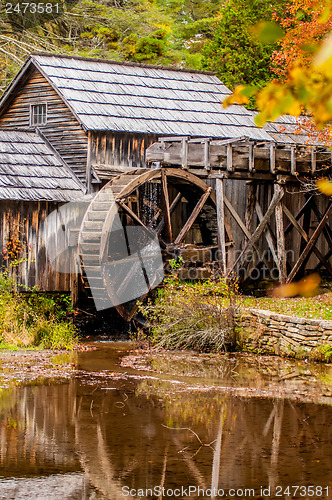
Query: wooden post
[273,158]
[229,157]
[184,152]
[207,154]
[74,276]
[261,227]
[221,223]
[88,164]
[293,161]
[308,249]
[251,156]
[167,212]
[280,233]
[313,160]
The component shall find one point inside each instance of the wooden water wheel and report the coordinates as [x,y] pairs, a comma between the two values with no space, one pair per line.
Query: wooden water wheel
[168,204]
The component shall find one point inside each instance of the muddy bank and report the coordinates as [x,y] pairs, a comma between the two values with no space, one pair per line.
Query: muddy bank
[36,367]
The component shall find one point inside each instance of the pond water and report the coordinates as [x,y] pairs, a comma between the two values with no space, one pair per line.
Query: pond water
[137,425]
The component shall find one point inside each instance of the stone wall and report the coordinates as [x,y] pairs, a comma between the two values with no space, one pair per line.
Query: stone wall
[270,332]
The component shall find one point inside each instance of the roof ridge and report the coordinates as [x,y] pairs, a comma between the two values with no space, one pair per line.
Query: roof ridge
[122,63]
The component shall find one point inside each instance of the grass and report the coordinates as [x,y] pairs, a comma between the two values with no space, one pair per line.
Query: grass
[200,315]
[318,307]
[33,320]
[187,316]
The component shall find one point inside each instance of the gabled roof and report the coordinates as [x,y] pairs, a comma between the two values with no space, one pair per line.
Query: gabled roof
[125,97]
[31,170]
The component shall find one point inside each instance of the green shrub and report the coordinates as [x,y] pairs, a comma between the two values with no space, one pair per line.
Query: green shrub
[34,319]
[197,316]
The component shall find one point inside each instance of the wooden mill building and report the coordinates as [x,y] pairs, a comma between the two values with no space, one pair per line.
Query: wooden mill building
[70,125]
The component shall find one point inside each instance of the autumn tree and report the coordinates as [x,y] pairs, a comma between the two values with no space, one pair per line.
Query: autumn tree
[234,52]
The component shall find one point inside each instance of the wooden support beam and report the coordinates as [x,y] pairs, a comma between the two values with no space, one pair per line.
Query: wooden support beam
[137,219]
[299,214]
[184,152]
[250,206]
[267,232]
[308,249]
[207,154]
[280,233]
[74,279]
[166,207]
[171,209]
[238,220]
[251,148]
[293,160]
[272,158]
[304,235]
[221,224]
[88,164]
[313,160]
[326,257]
[327,230]
[259,231]
[193,216]
[229,158]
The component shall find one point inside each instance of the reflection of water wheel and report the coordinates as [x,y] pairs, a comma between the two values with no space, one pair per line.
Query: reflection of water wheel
[168,204]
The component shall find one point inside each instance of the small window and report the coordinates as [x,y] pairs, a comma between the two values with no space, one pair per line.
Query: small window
[38,114]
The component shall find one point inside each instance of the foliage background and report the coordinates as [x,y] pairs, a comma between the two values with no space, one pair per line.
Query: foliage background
[209,34]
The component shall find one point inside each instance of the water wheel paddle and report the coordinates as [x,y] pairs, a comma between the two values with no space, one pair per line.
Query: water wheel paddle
[163,206]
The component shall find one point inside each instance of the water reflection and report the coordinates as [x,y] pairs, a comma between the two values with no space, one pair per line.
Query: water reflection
[94,435]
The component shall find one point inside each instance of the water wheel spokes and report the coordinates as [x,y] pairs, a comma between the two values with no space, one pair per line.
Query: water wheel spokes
[130,228]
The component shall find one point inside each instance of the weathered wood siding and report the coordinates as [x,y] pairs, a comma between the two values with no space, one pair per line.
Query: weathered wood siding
[27,221]
[62,129]
[118,149]
[294,200]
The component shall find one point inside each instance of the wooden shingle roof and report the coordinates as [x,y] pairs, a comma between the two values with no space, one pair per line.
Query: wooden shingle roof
[116,96]
[31,170]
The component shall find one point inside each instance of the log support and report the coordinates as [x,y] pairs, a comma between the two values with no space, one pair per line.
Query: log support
[280,234]
[221,224]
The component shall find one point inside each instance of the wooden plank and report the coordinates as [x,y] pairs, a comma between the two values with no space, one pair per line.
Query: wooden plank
[221,224]
[238,220]
[299,214]
[267,232]
[272,158]
[251,148]
[135,218]
[258,232]
[73,277]
[172,208]
[313,160]
[184,153]
[166,207]
[293,160]
[304,235]
[193,216]
[280,233]
[230,167]
[327,230]
[207,154]
[306,252]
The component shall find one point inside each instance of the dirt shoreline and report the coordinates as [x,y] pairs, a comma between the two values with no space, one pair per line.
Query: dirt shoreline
[27,367]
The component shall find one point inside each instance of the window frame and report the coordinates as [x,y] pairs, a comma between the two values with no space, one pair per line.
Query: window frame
[32,106]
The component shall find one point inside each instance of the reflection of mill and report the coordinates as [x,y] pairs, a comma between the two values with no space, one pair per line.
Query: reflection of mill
[116,438]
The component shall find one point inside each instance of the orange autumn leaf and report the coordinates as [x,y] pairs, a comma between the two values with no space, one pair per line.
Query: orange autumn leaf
[325,186]
[306,287]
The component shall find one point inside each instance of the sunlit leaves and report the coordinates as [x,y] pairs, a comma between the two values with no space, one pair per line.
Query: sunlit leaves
[267,32]
[239,96]
[306,287]
[325,186]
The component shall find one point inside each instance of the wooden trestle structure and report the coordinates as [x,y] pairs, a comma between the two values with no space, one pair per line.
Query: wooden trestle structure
[265,209]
